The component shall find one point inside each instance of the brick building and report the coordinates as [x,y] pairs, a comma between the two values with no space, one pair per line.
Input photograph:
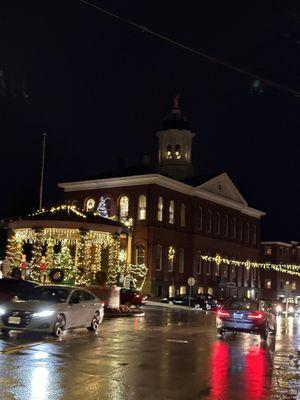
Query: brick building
[275,284]
[178,217]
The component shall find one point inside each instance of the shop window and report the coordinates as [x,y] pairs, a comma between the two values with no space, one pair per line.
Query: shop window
[181,260]
[182,290]
[90,205]
[171,212]
[182,215]
[142,211]
[140,254]
[172,291]
[124,207]
[160,208]
[159,252]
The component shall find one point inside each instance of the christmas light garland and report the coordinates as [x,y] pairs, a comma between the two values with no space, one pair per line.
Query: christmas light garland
[291,269]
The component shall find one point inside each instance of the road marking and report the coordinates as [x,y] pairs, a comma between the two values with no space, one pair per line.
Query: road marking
[24,346]
[177,341]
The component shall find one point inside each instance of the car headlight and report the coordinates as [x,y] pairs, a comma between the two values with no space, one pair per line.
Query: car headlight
[44,313]
[278,308]
[2,311]
[291,309]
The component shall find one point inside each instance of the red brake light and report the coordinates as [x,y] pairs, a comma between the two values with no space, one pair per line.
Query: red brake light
[255,315]
[222,313]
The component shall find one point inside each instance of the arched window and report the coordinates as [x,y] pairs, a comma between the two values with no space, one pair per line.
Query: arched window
[182,215]
[90,205]
[142,211]
[160,209]
[226,227]
[177,152]
[198,262]
[171,258]
[171,212]
[123,207]
[169,153]
[209,220]
[200,218]
[159,253]
[247,233]
[218,230]
[140,254]
[181,260]
[108,206]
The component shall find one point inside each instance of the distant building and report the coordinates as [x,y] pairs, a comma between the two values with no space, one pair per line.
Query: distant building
[275,284]
[178,217]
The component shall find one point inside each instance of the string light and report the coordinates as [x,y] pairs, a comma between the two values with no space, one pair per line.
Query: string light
[291,269]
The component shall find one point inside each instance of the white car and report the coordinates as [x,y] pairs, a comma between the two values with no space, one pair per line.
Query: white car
[52,309]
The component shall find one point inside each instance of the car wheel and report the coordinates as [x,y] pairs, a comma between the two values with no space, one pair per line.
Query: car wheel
[59,326]
[264,333]
[95,323]
[5,331]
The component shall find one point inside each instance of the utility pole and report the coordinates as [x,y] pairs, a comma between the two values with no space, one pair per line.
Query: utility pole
[42,172]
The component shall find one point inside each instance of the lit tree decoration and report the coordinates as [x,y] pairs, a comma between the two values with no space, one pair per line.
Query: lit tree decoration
[113,262]
[37,247]
[50,253]
[64,260]
[13,250]
[102,209]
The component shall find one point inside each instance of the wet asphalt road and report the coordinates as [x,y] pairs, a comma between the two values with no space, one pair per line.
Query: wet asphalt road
[167,354]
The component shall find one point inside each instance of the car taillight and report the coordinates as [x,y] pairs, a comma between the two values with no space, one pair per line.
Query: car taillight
[255,315]
[222,313]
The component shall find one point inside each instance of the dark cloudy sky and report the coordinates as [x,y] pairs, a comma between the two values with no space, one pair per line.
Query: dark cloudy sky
[101,88]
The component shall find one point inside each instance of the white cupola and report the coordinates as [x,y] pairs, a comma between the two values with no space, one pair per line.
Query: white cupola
[175,145]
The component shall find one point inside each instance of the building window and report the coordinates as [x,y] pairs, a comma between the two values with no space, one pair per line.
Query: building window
[218,230]
[247,233]
[226,227]
[281,284]
[209,220]
[208,267]
[234,227]
[281,251]
[268,251]
[177,152]
[181,261]
[123,207]
[171,258]
[90,205]
[182,290]
[293,285]
[200,218]
[246,276]
[140,254]
[198,263]
[216,269]
[241,231]
[182,215]
[210,291]
[232,274]
[160,208]
[159,253]
[142,212]
[171,212]
[254,234]
[200,290]
[268,284]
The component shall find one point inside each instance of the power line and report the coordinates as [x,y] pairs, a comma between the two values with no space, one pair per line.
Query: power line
[214,60]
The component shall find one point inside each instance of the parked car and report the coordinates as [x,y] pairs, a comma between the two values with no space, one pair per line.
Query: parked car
[207,302]
[132,298]
[52,309]
[245,315]
[201,301]
[11,287]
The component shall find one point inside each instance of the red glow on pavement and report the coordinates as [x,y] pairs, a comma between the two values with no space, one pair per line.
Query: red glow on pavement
[254,374]
[219,370]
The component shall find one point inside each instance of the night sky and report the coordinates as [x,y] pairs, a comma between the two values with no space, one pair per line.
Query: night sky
[101,88]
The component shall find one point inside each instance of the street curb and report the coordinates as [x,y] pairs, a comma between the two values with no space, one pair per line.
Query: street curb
[121,315]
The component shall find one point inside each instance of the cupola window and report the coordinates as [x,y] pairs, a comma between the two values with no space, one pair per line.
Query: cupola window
[169,153]
[123,207]
[177,152]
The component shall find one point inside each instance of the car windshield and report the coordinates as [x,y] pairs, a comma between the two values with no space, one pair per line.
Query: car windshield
[53,295]
[241,304]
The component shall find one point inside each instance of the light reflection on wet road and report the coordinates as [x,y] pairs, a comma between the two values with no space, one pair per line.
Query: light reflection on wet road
[168,354]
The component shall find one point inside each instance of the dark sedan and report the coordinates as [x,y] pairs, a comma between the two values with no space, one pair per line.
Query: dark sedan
[245,315]
[11,287]
[132,298]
